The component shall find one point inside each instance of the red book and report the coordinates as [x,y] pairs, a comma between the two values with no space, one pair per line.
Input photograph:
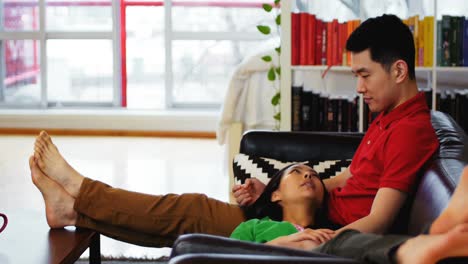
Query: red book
[323,59]
[350,29]
[334,41]
[311,40]
[343,35]
[304,45]
[329,43]
[295,30]
[318,41]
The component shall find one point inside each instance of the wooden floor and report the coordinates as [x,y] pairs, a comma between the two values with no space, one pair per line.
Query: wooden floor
[149,165]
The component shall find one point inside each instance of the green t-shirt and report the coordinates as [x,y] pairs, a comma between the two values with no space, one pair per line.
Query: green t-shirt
[262,230]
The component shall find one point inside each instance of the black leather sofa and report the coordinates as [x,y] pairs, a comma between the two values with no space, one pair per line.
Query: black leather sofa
[437,183]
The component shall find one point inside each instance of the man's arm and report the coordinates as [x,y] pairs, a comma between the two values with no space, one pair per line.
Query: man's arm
[337,181]
[386,206]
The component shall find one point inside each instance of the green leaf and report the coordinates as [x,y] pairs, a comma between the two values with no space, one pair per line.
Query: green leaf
[277,116]
[267,7]
[275,100]
[264,29]
[266,58]
[278,20]
[277,2]
[278,49]
[271,74]
[278,70]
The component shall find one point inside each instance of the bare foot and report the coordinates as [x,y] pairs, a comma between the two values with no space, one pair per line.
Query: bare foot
[51,162]
[59,204]
[457,209]
[425,249]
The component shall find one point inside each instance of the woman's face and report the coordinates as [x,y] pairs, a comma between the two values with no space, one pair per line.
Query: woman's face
[299,183]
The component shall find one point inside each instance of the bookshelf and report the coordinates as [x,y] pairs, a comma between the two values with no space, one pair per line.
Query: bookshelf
[431,75]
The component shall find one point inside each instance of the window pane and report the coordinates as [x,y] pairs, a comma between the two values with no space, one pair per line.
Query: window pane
[18,15]
[21,75]
[202,68]
[79,15]
[145,57]
[232,16]
[79,71]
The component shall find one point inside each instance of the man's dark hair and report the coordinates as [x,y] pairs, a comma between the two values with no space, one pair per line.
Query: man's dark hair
[388,40]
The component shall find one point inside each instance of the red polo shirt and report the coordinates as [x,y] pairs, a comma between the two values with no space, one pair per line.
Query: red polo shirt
[391,153]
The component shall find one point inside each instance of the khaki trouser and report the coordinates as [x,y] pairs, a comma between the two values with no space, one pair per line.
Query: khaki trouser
[152,220]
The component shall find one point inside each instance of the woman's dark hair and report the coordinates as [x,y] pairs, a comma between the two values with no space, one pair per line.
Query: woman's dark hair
[264,207]
[388,40]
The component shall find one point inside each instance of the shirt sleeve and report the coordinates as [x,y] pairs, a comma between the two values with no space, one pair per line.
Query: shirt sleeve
[406,151]
[245,231]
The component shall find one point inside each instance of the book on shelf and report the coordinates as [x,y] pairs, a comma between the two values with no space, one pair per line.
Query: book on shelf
[304,44]
[455,103]
[318,42]
[313,111]
[465,42]
[296,108]
[439,43]
[428,41]
[452,42]
[445,29]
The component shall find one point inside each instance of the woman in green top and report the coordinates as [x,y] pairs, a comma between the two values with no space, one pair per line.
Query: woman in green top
[291,203]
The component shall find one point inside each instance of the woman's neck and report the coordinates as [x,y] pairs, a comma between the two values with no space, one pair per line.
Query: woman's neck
[300,214]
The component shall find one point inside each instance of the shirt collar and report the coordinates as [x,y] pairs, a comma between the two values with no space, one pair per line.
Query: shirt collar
[416,103]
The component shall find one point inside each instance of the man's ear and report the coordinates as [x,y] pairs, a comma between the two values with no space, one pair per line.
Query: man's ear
[276,196]
[401,70]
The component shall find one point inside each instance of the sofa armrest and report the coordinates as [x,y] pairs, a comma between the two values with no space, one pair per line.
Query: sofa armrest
[297,146]
[210,247]
[203,243]
[250,259]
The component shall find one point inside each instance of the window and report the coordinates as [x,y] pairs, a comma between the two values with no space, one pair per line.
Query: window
[181,55]
[133,54]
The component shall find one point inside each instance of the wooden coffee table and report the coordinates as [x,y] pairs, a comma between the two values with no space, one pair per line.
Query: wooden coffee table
[28,239]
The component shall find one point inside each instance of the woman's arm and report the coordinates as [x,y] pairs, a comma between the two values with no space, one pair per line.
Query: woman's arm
[306,239]
[247,193]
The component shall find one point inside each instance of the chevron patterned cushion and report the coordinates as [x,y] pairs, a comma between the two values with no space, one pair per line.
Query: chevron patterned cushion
[246,166]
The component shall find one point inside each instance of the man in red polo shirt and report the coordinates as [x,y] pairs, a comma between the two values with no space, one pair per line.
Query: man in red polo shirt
[369,194]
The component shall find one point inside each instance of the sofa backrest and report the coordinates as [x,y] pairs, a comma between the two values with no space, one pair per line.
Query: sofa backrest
[297,146]
[439,179]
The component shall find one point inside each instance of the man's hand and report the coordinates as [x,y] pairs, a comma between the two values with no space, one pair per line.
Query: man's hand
[248,193]
[306,240]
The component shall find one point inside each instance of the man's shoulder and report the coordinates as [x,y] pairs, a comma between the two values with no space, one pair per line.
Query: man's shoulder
[415,121]
[413,133]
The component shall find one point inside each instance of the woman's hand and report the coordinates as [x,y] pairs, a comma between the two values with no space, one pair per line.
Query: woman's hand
[321,235]
[248,193]
[306,240]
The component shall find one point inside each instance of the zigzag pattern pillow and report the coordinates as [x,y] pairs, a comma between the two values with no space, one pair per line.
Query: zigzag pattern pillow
[246,166]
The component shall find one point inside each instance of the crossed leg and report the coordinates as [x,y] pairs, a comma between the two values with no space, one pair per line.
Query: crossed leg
[52,163]
[59,204]
[158,219]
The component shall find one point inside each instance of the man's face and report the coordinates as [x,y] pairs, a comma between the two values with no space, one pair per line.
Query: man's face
[377,86]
